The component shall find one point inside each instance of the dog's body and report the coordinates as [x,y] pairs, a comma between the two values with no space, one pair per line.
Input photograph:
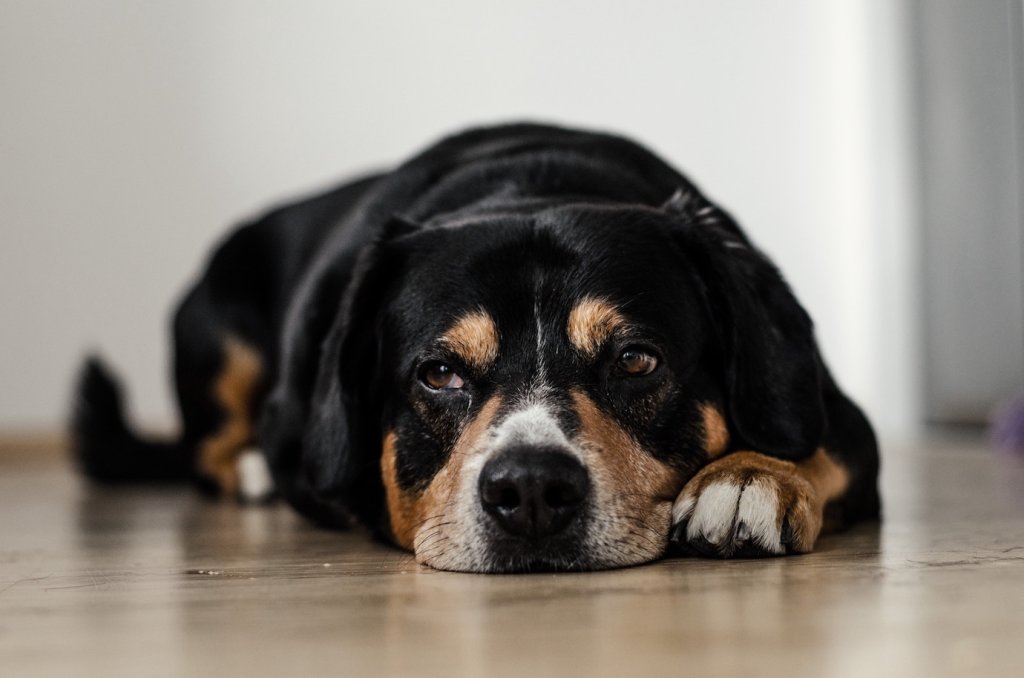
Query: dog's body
[526,348]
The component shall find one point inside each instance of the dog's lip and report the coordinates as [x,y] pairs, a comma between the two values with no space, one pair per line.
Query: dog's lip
[543,566]
[561,552]
[566,539]
[527,563]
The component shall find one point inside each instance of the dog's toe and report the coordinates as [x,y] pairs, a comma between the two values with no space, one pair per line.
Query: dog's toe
[745,510]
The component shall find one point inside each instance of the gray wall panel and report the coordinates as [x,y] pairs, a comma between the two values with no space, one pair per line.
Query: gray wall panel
[969,112]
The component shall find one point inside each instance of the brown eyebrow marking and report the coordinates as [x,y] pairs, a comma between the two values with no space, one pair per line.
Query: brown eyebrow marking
[474,338]
[590,324]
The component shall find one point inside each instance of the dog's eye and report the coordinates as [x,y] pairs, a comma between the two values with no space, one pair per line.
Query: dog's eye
[439,376]
[636,362]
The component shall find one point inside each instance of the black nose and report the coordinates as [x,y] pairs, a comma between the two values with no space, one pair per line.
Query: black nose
[533,492]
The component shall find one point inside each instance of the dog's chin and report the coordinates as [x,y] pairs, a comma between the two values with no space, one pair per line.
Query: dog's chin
[503,557]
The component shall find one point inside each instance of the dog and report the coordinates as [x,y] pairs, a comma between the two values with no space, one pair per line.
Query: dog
[527,348]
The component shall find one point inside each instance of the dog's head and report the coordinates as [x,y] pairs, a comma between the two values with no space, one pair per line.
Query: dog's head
[533,389]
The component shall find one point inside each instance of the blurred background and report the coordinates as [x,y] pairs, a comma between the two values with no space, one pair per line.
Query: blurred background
[872,147]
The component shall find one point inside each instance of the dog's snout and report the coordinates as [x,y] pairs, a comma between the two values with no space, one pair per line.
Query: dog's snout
[533,492]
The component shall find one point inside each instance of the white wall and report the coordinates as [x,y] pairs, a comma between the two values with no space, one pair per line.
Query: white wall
[132,134]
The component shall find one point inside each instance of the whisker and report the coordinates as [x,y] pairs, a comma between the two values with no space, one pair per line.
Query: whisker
[421,543]
[432,551]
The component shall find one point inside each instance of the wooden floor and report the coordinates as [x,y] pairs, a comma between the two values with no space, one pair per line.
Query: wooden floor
[132,582]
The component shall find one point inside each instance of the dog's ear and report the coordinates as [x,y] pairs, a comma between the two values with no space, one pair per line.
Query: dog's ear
[773,371]
[315,423]
[342,440]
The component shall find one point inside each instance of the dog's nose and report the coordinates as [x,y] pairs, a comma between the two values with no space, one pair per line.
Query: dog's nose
[533,492]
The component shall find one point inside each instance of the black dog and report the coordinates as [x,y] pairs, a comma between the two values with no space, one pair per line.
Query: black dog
[526,348]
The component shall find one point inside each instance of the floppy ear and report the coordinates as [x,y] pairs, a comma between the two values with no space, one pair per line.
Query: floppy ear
[306,426]
[342,441]
[342,438]
[773,372]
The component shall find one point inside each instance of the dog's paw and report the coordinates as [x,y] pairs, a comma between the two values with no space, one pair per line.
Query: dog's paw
[747,505]
[255,484]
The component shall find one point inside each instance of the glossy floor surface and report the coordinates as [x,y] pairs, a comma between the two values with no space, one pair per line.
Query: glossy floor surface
[158,582]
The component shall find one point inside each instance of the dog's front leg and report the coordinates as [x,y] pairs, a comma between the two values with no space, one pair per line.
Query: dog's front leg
[749,504]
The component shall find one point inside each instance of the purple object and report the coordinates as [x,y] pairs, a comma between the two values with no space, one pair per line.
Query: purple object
[1008,426]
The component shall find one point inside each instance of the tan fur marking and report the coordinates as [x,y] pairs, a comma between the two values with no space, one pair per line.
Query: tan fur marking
[636,476]
[412,513]
[233,391]
[401,505]
[829,478]
[716,434]
[590,324]
[474,338]
[801,488]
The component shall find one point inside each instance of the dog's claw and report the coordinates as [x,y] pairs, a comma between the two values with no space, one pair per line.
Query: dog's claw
[786,536]
[705,548]
[677,535]
[742,532]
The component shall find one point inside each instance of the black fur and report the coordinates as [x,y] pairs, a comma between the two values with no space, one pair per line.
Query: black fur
[106,448]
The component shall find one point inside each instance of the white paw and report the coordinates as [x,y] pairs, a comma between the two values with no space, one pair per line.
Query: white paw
[747,504]
[254,481]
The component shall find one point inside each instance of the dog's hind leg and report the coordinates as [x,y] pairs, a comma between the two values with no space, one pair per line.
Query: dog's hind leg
[234,391]
[220,378]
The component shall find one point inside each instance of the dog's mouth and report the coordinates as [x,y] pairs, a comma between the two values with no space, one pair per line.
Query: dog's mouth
[560,552]
[596,539]
[529,564]
[501,556]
